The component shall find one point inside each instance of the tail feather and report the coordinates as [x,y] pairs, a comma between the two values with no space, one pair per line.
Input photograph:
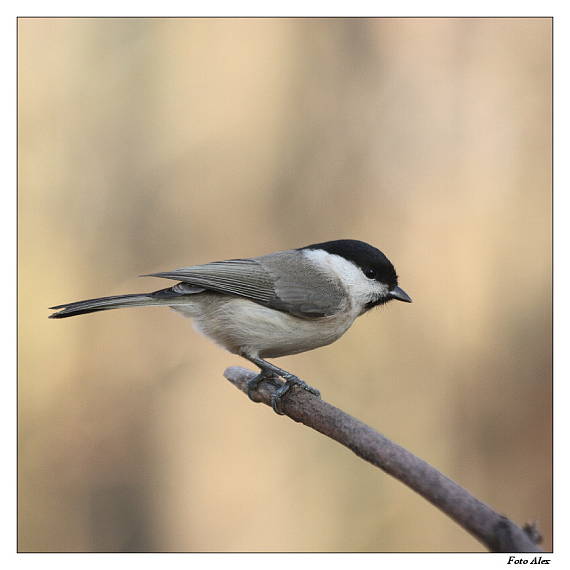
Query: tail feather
[179,294]
[103,304]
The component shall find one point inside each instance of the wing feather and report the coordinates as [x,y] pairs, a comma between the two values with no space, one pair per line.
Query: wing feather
[284,281]
[242,277]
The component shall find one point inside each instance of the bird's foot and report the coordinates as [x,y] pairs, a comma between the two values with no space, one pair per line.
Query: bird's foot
[270,371]
[288,377]
[253,384]
[290,380]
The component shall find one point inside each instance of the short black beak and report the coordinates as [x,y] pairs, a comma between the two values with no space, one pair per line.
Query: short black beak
[400,295]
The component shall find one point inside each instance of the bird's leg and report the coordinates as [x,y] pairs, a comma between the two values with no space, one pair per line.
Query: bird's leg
[290,380]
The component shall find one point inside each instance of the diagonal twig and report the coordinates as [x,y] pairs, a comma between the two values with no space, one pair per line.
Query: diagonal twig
[495,531]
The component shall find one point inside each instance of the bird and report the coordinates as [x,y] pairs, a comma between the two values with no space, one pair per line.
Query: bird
[273,305]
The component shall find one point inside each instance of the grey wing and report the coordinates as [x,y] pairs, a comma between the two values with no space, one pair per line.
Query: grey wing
[300,289]
[282,281]
[242,277]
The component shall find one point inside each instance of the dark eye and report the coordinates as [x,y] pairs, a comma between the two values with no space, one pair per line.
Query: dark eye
[370,273]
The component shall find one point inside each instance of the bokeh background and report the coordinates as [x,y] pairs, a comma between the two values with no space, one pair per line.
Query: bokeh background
[150,144]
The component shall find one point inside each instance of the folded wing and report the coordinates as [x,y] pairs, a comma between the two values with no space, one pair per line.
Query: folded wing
[282,281]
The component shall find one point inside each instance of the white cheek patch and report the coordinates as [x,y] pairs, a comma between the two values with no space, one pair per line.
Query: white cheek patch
[360,289]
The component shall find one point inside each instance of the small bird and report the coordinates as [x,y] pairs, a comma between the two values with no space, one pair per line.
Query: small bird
[274,305]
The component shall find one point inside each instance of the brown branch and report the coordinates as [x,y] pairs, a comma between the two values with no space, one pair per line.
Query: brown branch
[495,531]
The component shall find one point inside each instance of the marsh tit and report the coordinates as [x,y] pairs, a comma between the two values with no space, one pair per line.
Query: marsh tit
[273,305]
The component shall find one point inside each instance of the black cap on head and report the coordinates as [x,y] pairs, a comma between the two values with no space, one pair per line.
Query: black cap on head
[374,264]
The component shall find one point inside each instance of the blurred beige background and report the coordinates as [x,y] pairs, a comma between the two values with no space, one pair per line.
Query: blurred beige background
[149,144]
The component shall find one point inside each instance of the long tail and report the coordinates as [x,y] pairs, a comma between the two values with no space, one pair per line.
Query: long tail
[172,296]
[104,304]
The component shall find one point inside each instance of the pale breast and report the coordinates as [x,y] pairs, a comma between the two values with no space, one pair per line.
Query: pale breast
[245,327]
